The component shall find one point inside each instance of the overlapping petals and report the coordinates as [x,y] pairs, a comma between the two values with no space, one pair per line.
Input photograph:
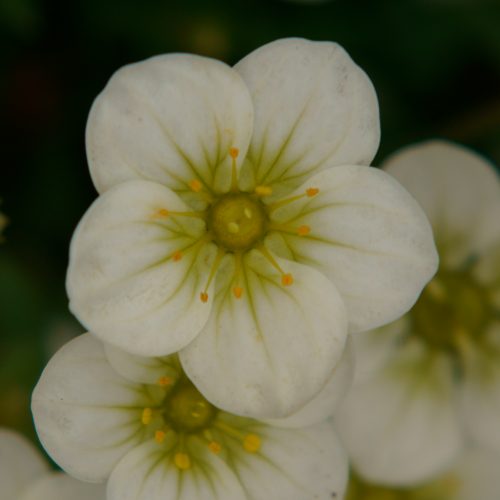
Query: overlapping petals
[172,137]
[75,429]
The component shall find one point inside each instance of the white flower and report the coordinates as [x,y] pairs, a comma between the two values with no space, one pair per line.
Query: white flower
[474,476]
[426,382]
[24,475]
[102,413]
[224,231]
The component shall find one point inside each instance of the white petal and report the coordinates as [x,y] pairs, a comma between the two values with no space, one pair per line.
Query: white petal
[314,107]
[481,389]
[141,369]
[293,464]
[324,404]
[20,464]
[269,352]
[171,119]
[123,282]
[401,426]
[476,475]
[59,486]
[86,415]
[458,189]
[369,236]
[148,473]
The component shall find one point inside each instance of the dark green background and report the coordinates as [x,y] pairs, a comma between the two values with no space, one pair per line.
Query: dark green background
[435,65]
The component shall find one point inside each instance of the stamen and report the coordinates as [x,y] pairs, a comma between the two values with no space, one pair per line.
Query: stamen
[252,443]
[309,193]
[165,381]
[286,278]
[182,461]
[303,230]
[233,153]
[195,185]
[233,228]
[263,190]
[147,416]
[214,447]
[163,213]
[220,253]
[237,289]
[177,256]
[160,436]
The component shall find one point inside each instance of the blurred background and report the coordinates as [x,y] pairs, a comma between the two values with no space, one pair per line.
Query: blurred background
[434,63]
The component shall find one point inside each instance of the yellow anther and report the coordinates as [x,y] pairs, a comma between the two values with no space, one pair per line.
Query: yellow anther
[248,213]
[214,447]
[204,296]
[160,214]
[312,192]
[182,461]
[177,256]
[160,436]
[165,381]
[238,292]
[287,279]
[195,185]
[263,190]
[252,443]
[233,153]
[233,228]
[147,416]
[303,230]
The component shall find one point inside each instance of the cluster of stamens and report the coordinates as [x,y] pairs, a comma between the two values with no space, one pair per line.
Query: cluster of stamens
[237,222]
[185,414]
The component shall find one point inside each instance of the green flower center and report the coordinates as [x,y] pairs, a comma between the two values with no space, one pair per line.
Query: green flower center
[440,489]
[451,305]
[238,221]
[187,410]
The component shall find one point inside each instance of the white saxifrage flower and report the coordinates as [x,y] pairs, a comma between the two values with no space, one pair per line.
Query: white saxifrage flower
[474,476]
[236,226]
[427,381]
[24,475]
[102,413]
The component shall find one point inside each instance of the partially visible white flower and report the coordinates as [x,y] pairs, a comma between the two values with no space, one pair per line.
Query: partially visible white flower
[427,381]
[140,423]
[236,225]
[474,476]
[24,475]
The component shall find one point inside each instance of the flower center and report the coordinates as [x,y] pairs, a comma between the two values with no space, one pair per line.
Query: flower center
[451,305]
[238,221]
[187,410]
[439,489]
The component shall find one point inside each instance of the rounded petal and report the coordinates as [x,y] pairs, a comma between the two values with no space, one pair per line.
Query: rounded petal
[124,282]
[324,404]
[401,426]
[314,107]
[171,119]
[141,369]
[20,464]
[460,192]
[86,415]
[293,464]
[59,486]
[369,236]
[476,476]
[268,353]
[148,472]
[480,398]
